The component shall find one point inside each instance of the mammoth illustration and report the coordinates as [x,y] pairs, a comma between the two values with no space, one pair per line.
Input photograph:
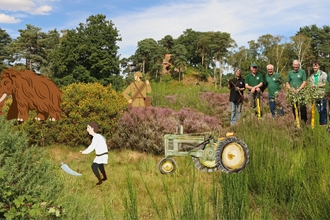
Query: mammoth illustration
[30,91]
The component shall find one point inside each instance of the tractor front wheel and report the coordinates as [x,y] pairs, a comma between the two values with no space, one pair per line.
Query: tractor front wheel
[167,165]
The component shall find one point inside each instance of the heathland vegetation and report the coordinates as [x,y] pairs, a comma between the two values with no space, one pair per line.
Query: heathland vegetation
[288,173]
[287,176]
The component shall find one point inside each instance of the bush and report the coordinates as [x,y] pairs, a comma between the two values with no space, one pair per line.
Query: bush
[81,104]
[142,129]
[28,183]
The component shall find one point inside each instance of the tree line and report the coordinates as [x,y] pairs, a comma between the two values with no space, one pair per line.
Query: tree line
[89,53]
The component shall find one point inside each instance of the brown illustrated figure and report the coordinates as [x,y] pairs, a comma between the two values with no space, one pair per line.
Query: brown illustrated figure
[136,92]
[30,92]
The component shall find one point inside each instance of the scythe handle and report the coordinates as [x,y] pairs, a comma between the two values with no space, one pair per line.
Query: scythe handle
[71,158]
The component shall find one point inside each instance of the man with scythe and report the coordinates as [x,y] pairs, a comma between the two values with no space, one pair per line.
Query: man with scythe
[136,92]
[100,146]
[236,96]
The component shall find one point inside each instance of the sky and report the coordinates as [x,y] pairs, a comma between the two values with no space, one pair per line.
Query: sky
[137,20]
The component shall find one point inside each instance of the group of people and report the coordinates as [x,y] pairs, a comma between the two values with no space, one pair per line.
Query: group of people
[295,82]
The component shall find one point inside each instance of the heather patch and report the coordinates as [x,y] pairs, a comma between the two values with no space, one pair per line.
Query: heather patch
[142,129]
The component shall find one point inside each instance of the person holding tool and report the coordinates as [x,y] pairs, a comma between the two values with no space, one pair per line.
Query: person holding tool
[295,83]
[136,92]
[100,146]
[318,81]
[273,81]
[236,96]
[253,82]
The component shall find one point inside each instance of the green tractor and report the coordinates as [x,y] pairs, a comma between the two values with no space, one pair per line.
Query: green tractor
[228,154]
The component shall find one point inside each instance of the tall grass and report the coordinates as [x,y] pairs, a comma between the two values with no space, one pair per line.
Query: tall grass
[282,181]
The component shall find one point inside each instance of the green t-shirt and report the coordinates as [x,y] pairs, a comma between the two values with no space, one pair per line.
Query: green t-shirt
[295,79]
[273,83]
[252,80]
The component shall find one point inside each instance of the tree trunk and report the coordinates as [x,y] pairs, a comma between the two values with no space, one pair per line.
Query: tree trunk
[220,73]
[214,73]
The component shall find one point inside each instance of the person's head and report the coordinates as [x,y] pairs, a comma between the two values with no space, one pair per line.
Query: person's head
[316,66]
[296,65]
[254,68]
[238,73]
[270,69]
[138,76]
[92,127]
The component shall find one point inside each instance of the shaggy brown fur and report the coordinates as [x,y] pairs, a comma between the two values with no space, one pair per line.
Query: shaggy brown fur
[30,91]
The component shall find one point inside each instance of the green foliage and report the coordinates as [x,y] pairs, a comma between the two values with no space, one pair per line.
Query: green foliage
[28,182]
[5,40]
[87,54]
[306,96]
[81,104]
[319,44]
[33,46]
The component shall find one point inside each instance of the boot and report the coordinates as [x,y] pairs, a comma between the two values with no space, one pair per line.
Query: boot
[104,175]
[100,180]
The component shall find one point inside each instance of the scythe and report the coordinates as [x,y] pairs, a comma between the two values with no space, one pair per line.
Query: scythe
[67,169]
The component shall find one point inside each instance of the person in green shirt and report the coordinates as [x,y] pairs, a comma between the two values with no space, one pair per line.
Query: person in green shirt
[295,82]
[318,80]
[253,82]
[273,81]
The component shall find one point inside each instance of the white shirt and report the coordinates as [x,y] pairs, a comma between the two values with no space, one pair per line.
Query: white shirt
[98,144]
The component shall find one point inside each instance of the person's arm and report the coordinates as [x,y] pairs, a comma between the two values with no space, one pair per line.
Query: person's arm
[126,93]
[90,147]
[301,86]
[148,87]
[322,82]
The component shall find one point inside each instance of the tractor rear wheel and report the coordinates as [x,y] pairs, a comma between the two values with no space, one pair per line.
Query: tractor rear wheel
[232,155]
[167,165]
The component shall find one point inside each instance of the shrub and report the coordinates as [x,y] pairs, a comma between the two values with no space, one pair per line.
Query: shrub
[142,129]
[28,183]
[81,104]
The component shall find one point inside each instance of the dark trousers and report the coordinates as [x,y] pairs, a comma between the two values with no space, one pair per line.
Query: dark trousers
[303,112]
[321,105]
[96,167]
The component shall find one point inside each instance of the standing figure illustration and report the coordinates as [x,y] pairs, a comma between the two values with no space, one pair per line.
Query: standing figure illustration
[100,146]
[136,92]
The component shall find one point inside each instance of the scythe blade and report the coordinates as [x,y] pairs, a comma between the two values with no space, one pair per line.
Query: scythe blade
[67,169]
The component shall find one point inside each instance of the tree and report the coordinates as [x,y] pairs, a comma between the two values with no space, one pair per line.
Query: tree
[189,39]
[179,54]
[221,42]
[88,53]
[32,47]
[167,42]
[144,53]
[203,47]
[320,44]
[301,45]
[239,58]
[5,57]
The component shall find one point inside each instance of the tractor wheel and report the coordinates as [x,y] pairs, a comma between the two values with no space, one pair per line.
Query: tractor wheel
[206,165]
[232,155]
[167,165]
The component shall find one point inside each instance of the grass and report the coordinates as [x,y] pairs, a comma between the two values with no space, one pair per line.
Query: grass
[287,178]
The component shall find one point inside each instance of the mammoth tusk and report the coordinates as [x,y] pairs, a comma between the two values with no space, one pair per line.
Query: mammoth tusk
[3,97]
